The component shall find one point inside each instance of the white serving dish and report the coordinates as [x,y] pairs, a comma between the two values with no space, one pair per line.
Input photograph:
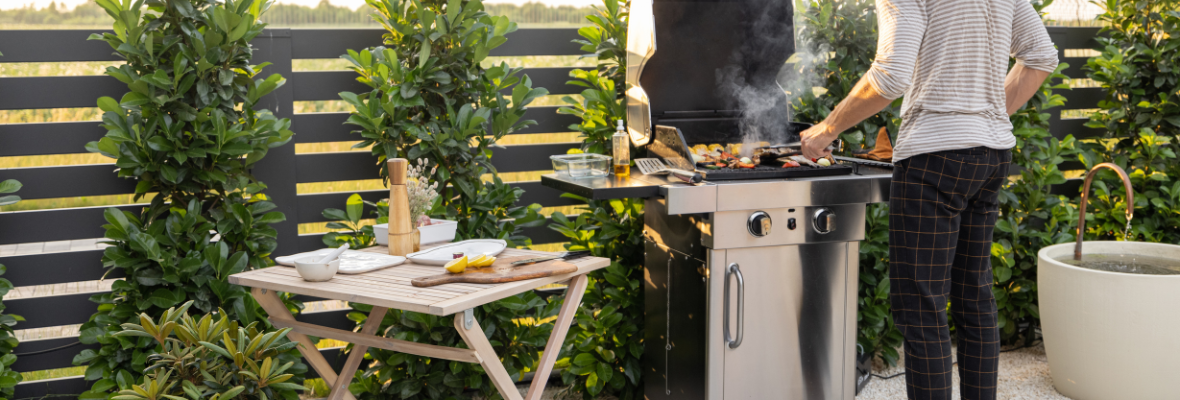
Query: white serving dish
[442,254]
[440,230]
[314,271]
[351,261]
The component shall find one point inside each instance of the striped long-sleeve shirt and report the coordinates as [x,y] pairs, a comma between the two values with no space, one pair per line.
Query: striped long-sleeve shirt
[949,58]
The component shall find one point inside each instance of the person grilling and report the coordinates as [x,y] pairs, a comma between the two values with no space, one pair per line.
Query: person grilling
[951,157]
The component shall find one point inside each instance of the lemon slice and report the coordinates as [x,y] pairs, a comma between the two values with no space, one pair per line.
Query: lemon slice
[487,261]
[457,265]
[477,262]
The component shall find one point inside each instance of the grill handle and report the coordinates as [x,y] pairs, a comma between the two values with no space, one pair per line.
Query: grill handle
[734,270]
[685,176]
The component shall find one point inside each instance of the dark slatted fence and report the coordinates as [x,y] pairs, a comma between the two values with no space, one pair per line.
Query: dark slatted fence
[1082,98]
[281,170]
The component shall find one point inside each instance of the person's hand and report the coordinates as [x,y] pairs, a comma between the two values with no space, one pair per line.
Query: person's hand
[815,140]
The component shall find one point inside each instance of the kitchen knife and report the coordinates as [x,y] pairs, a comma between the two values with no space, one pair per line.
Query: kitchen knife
[569,255]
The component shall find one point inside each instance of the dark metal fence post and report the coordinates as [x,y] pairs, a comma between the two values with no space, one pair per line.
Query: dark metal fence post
[277,170]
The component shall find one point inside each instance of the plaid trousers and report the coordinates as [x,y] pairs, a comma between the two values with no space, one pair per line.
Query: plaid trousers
[943,209]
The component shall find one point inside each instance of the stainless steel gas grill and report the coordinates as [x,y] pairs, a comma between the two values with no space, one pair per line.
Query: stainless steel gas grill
[751,275]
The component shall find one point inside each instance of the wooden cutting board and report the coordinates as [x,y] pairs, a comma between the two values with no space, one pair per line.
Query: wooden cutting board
[499,272]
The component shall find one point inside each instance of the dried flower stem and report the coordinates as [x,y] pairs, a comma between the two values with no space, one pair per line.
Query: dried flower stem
[422,191]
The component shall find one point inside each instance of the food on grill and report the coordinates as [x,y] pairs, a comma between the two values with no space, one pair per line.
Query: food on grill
[716,156]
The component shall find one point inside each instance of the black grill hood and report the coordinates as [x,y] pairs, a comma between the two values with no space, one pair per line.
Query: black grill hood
[706,48]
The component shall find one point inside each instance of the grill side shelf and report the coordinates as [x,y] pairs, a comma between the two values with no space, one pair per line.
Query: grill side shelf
[608,187]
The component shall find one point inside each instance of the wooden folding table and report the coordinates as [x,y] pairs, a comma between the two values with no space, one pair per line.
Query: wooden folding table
[390,288]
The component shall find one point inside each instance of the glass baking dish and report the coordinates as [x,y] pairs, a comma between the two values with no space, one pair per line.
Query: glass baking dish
[581,165]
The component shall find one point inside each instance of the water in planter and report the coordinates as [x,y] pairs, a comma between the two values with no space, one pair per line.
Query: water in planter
[1128,264]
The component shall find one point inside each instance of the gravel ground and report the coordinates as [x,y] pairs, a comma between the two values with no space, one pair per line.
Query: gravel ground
[1024,375]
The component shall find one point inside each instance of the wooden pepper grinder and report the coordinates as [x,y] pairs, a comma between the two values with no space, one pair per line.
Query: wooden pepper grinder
[401,229]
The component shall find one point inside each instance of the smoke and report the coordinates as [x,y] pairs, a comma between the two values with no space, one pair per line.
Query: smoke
[766,74]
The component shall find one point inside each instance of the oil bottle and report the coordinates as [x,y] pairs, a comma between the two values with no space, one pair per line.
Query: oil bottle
[621,147]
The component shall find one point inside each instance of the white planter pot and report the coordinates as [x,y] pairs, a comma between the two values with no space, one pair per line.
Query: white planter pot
[1110,335]
[440,230]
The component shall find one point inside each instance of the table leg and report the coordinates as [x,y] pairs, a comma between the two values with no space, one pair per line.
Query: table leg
[573,299]
[273,305]
[340,386]
[488,358]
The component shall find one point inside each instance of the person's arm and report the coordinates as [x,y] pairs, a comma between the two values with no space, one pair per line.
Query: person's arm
[901,26]
[1035,56]
[1021,85]
[862,103]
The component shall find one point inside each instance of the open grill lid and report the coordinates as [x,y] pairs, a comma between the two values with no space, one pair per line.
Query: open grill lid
[706,59]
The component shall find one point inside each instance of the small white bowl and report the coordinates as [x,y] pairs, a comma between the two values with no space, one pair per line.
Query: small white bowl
[314,271]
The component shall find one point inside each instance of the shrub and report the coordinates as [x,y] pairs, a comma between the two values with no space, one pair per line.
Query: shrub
[208,358]
[432,99]
[1141,117]
[602,351]
[8,341]
[188,132]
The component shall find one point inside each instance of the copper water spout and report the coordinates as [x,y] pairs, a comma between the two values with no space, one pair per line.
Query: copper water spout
[1077,250]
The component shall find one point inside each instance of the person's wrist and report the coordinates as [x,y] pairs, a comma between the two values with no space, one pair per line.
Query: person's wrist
[829,132]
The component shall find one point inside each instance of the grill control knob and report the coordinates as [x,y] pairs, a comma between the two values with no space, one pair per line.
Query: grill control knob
[759,224]
[825,220]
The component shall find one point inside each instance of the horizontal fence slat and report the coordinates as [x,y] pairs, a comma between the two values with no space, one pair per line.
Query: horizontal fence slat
[357,165]
[1075,127]
[55,225]
[48,138]
[338,166]
[1074,37]
[69,45]
[57,91]
[1071,188]
[69,181]
[311,206]
[332,43]
[54,268]
[535,192]
[327,85]
[62,358]
[1076,68]
[53,46]
[1083,98]
[330,127]
[49,388]
[333,319]
[528,157]
[67,309]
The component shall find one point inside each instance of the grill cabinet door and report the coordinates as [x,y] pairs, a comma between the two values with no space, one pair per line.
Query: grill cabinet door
[793,323]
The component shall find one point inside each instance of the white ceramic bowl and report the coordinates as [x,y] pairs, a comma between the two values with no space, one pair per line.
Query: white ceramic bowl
[1110,335]
[314,271]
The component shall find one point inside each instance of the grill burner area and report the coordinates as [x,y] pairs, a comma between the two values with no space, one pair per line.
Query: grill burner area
[674,138]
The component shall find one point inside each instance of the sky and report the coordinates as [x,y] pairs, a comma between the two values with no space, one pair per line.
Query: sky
[9,4]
